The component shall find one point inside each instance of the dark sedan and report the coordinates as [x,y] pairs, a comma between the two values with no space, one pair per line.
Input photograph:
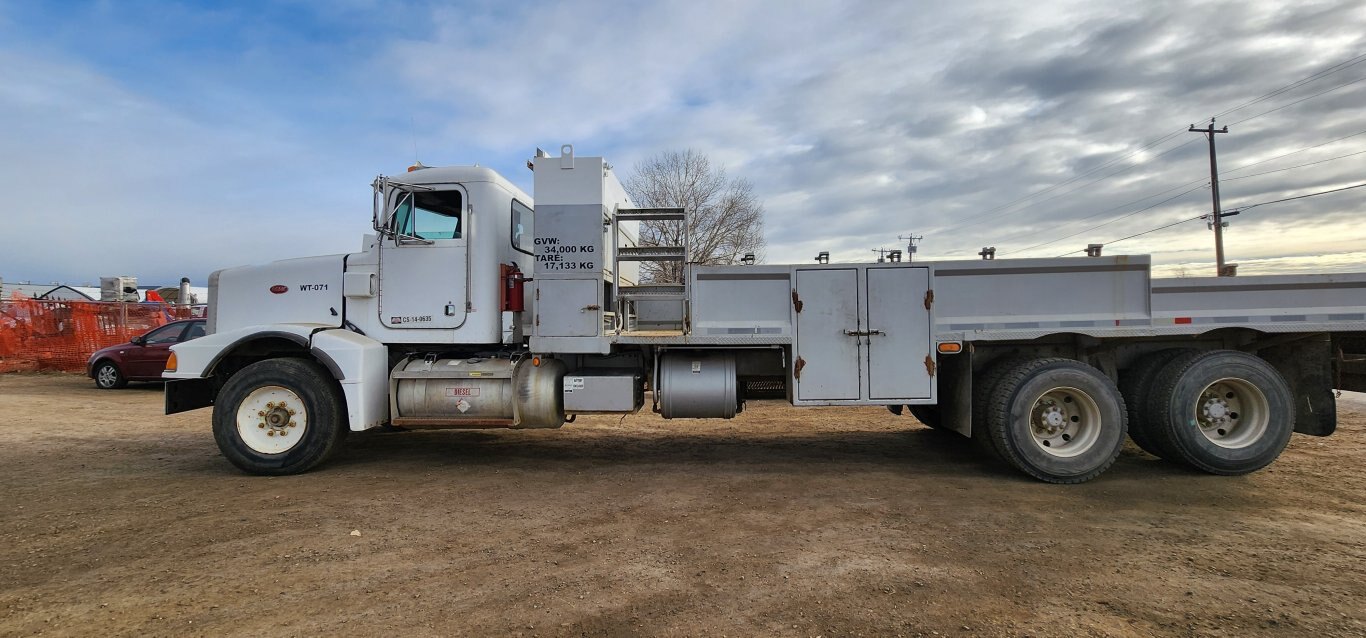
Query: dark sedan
[143,358]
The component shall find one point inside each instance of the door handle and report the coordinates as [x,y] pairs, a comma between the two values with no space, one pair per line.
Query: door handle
[863,333]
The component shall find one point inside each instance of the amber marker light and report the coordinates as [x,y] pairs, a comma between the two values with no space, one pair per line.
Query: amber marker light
[950,347]
[171,363]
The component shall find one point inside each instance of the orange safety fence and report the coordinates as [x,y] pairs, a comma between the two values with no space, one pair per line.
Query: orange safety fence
[38,334]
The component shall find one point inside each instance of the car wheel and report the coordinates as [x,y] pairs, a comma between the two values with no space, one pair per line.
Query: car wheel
[108,377]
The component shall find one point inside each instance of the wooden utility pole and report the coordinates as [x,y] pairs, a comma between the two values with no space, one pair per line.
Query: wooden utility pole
[1214,191]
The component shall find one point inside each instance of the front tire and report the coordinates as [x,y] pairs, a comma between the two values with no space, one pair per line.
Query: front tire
[108,376]
[1222,411]
[1058,420]
[279,416]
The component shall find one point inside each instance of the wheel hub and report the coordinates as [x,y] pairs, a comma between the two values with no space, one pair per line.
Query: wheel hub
[1063,422]
[277,418]
[1231,413]
[272,419]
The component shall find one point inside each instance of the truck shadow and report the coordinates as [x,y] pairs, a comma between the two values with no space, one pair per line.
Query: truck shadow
[917,457]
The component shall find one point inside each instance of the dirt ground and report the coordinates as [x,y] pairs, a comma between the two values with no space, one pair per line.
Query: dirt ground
[117,520]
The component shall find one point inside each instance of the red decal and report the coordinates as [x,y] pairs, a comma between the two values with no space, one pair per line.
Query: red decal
[279,289]
[462,392]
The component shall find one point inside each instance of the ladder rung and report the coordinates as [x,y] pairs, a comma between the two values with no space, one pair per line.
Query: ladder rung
[651,253]
[653,291]
[643,214]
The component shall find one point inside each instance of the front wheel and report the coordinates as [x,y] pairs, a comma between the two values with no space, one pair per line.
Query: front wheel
[279,416]
[1058,420]
[1222,411]
[108,377]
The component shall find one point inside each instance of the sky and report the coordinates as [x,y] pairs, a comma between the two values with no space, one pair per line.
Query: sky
[165,139]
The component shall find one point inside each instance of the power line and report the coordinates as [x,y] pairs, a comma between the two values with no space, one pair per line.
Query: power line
[1122,217]
[1202,181]
[1298,83]
[1116,241]
[1291,199]
[1229,179]
[1140,200]
[1236,210]
[974,218]
[977,218]
[1345,84]
[1307,148]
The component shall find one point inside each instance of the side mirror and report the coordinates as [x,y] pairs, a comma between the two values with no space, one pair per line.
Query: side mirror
[139,340]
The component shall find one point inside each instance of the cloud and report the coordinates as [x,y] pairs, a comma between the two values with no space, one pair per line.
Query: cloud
[973,123]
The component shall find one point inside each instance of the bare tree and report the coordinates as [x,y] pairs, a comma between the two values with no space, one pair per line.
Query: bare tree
[725,219]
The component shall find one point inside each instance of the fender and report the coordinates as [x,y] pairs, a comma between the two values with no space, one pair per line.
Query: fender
[361,365]
[197,359]
[357,362]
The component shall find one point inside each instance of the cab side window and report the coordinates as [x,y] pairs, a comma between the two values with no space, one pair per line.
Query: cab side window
[523,227]
[429,215]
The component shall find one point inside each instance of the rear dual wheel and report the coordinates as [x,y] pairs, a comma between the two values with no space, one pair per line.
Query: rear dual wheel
[1058,420]
[1221,411]
[1136,383]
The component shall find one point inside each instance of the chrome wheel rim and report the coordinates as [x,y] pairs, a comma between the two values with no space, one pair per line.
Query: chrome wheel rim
[1232,413]
[1064,422]
[272,419]
[107,376]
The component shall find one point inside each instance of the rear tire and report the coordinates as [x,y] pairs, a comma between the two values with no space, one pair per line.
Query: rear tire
[279,416]
[108,376]
[1058,420]
[983,388]
[1222,411]
[1135,384]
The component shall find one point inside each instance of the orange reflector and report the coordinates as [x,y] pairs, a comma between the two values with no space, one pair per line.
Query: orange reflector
[171,363]
[950,347]
[536,361]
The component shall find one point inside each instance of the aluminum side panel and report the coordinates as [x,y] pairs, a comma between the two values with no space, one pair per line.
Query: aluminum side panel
[896,358]
[829,357]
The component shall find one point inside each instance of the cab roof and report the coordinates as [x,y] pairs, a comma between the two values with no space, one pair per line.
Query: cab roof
[462,174]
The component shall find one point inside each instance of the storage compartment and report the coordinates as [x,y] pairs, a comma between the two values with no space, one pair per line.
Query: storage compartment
[698,384]
[603,391]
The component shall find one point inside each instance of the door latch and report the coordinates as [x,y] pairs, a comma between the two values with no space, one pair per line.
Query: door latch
[863,333]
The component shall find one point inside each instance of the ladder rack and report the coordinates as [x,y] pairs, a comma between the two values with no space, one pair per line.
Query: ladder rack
[626,296]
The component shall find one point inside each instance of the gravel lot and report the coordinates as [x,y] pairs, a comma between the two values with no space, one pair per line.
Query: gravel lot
[784,522]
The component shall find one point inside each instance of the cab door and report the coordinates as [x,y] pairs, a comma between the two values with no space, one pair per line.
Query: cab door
[424,260]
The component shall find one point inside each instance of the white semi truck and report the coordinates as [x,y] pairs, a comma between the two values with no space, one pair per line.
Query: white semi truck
[471,306]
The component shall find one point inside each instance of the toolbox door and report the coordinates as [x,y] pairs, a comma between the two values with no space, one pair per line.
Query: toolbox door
[827,354]
[898,327]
